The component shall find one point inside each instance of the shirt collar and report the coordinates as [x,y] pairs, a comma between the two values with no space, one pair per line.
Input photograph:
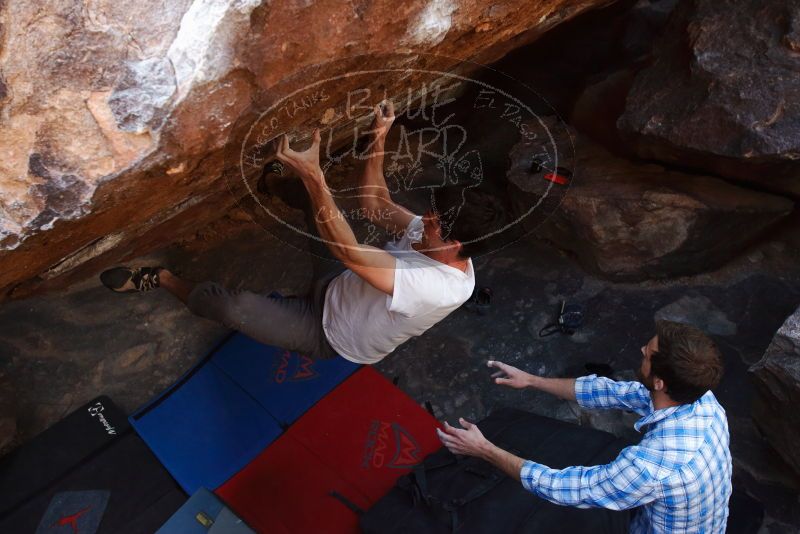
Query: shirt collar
[656,416]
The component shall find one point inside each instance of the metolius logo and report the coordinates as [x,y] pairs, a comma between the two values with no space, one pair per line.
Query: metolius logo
[96,410]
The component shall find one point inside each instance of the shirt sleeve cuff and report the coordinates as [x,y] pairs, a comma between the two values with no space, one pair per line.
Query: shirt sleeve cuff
[529,475]
[415,229]
[584,387]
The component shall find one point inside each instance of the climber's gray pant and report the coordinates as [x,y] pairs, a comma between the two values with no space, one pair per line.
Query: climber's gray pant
[293,323]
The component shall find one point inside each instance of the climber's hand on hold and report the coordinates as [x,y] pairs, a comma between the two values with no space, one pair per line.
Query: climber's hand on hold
[384,118]
[304,164]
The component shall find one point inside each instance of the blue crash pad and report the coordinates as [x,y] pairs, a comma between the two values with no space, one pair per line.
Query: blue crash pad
[204,513]
[205,428]
[285,383]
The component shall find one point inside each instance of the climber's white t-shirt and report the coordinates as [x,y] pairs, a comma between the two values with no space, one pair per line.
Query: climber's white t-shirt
[364,324]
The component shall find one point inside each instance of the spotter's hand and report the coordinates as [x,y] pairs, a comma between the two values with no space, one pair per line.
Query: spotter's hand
[468,441]
[304,164]
[509,376]
[384,117]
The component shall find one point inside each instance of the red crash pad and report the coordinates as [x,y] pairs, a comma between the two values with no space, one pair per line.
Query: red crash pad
[343,455]
[288,489]
[369,432]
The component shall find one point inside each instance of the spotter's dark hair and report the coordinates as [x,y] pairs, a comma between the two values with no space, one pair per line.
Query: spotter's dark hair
[687,361]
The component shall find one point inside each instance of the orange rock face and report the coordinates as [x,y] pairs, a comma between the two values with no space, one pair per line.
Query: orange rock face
[116,115]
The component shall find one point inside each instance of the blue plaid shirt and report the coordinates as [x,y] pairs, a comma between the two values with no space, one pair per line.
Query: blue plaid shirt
[680,473]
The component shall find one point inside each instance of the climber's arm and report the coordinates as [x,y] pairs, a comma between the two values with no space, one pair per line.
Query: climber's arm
[374,265]
[374,197]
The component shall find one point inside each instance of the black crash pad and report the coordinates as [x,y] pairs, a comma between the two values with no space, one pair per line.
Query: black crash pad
[122,489]
[50,455]
[89,473]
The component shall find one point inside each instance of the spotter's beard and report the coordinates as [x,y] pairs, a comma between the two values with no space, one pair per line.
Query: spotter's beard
[646,380]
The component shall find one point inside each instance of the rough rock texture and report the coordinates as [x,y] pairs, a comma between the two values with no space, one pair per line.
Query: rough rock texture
[644,23]
[723,94]
[630,222]
[558,66]
[597,109]
[8,413]
[115,115]
[777,380]
[700,312]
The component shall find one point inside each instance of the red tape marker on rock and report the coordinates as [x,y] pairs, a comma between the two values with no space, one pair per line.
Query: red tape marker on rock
[560,177]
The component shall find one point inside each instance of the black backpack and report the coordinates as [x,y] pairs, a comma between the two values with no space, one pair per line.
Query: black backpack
[448,494]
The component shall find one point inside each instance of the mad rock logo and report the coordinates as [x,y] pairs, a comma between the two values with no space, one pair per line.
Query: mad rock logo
[390,445]
[451,131]
[293,367]
[96,410]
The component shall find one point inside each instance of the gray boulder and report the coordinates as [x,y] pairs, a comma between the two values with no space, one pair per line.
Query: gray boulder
[722,94]
[777,382]
[628,221]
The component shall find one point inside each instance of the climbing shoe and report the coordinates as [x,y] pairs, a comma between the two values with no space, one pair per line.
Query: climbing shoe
[128,280]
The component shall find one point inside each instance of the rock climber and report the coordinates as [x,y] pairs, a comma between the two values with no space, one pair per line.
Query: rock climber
[384,296]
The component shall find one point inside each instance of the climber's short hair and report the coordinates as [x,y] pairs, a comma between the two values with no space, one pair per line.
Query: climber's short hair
[468,215]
